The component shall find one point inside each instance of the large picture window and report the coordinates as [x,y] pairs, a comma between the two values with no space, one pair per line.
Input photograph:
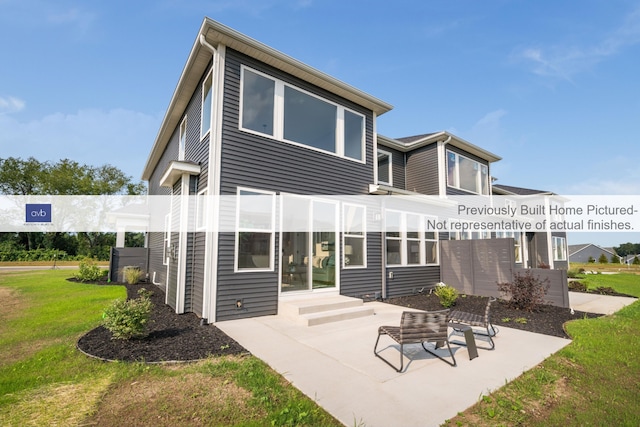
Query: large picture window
[255,230]
[273,108]
[467,174]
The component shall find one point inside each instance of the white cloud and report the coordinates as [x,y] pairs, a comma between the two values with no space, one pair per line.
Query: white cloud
[563,62]
[11,105]
[119,137]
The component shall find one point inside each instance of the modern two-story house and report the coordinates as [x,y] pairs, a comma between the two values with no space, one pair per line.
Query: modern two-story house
[247,120]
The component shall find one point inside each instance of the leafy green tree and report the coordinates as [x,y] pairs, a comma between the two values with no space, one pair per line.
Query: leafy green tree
[69,178]
[615,259]
[603,259]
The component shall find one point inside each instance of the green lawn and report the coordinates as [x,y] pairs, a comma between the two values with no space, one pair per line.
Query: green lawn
[45,380]
[591,382]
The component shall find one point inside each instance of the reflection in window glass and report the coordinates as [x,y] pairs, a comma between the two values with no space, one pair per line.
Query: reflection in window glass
[384,168]
[353,136]
[309,120]
[258,103]
[254,250]
[206,106]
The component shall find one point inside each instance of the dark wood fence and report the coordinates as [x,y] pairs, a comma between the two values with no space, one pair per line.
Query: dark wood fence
[123,257]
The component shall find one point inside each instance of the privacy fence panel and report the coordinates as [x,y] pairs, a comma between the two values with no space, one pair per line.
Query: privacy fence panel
[475,267]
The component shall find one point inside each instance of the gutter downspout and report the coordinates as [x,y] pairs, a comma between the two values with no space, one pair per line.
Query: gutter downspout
[211,240]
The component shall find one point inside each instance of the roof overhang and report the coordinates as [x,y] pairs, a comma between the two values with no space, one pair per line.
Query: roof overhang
[175,171]
[443,136]
[217,34]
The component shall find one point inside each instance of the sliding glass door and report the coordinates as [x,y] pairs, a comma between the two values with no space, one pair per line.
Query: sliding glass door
[308,244]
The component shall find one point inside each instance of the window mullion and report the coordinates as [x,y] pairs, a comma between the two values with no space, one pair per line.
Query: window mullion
[340,131]
[278,115]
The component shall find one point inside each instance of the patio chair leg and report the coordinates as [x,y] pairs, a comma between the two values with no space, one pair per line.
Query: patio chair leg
[385,360]
[454,363]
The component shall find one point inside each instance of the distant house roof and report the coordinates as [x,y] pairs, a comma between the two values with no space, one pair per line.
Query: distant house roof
[508,189]
[409,143]
[574,249]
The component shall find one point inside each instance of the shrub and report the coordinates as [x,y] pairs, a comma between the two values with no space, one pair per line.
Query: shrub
[132,274]
[128,319]
[636,260]
[447,295]
[89,271]
[603,259]
[577,286]
[526,292]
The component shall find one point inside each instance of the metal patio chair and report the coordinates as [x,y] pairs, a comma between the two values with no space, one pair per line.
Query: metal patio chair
[478,320]
[418,327]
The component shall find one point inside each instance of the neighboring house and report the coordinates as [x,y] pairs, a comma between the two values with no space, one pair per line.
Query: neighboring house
[246,119]
[584,252]
[538,249]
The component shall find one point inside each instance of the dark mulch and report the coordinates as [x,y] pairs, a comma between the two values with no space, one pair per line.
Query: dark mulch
[182,337]
[171,337]
[548,320]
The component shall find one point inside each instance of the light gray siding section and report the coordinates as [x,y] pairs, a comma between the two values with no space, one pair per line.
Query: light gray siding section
[253,161]
[422,170]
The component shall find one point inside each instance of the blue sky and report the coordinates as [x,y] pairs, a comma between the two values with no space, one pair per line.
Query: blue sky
[552,87]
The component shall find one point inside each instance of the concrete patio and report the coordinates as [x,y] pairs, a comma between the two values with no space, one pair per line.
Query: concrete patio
[334,365]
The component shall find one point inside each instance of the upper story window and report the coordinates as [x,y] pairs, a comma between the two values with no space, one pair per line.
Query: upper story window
[384,168]
[467,174]
[272,108]
[207,90]
[182,143]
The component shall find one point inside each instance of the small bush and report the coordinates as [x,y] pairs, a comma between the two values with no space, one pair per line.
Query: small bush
[577,286]
[603,259]
[128,319]
[526,292]
[132,274]
[89,271]
[447,295]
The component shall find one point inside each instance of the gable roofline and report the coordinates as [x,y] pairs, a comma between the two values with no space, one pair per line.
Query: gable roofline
[199,58]
[520,191]
[581,247]
[410,143]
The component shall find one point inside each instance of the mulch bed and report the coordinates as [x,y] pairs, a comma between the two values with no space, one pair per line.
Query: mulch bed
[171,337]
[548,320]
[181,337]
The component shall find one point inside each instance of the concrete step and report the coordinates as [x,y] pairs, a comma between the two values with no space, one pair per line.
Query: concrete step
[316,310]
[336,315]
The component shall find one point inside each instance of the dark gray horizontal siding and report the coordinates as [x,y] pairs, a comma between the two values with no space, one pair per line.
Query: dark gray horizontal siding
[409,280]
[422,170]
[398,177]
[257,290]
[155,242]
[253,161]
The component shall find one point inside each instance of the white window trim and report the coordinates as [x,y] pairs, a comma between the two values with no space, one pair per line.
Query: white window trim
[559,242]
[421,238]
[278,118]
[456,173]
[436,238]
[201,204]
[346,234]
[517,241]
[166,240]
[204,133]
[389,172]
[250,230]
[182,139]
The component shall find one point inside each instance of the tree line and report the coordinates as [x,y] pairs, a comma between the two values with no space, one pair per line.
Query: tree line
[62,178]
